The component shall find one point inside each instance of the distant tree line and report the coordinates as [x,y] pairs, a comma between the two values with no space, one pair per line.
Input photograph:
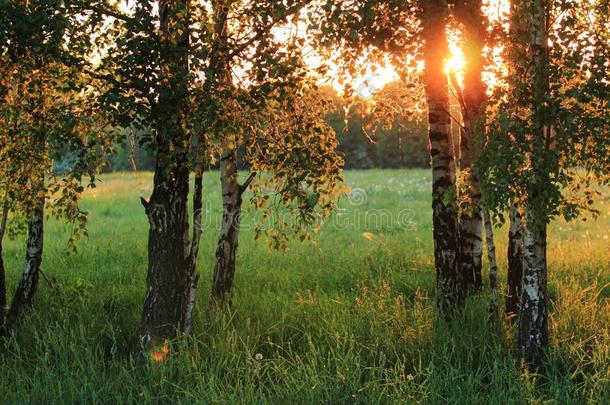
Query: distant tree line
[364,143]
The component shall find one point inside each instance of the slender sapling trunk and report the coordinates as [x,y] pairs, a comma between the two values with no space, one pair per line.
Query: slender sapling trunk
[493,266]
[3,294]
[33,258]
[515,262]
[224,270]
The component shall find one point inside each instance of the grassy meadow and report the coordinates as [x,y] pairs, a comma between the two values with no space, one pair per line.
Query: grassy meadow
[347,318]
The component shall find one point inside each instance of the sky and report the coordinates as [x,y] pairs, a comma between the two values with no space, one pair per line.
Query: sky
[376,78]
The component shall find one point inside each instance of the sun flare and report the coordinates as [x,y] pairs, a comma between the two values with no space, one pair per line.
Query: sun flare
[455,63]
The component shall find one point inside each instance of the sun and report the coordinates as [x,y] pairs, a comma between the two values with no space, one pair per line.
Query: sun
[373,79]
[455,64]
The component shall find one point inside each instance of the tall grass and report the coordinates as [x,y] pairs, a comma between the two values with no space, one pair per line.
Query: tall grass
[349,318]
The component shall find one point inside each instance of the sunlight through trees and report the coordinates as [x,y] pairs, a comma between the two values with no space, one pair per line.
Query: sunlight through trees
[373,285]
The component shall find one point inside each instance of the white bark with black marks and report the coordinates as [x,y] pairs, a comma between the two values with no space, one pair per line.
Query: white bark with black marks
[194,250]
[533,322]
[31,272]
[445,221]
[472,100]
[226,250]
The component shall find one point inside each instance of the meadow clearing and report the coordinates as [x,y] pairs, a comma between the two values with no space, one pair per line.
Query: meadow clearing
[347,318]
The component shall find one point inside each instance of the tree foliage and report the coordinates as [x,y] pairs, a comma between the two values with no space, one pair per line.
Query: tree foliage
[46,110]
[576,108]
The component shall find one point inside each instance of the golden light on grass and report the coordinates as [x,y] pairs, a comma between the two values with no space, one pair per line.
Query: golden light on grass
[368,235]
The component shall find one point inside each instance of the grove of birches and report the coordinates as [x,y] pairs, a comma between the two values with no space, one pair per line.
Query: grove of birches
[263,95]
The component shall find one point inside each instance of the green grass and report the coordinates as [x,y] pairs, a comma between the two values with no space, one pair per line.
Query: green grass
[347,319]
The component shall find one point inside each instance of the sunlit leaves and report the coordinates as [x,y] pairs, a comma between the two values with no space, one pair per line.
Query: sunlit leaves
[364,33]
[300,177]
[46,113]
[576,109]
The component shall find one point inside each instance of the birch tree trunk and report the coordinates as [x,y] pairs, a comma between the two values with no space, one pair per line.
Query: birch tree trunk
[168,281]
[167,306]
[224,270]
[33,258]
[493,266]
[469,13]
[515,262]
[533,324]
[3,294]
[193,276]
[445,222]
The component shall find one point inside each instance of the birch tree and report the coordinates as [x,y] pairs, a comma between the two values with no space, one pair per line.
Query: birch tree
[548,141]
[514,262]
[368,32]
[294,173]
[45,111]
[169,67]
[146,76]
[472,99]
[257,90]
[444,207]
